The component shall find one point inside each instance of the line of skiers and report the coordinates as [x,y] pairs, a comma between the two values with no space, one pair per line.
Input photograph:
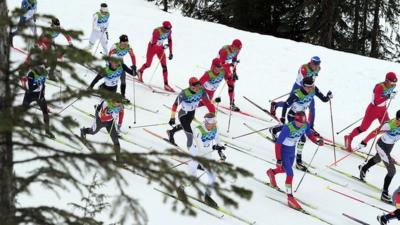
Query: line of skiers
[204,138]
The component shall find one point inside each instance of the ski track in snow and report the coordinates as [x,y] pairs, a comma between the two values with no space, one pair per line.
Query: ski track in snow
[268,67]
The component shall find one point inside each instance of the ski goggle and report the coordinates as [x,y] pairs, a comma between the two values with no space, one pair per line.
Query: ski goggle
[210,121]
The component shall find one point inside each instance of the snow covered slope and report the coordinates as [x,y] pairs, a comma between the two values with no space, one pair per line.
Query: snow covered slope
[268,69]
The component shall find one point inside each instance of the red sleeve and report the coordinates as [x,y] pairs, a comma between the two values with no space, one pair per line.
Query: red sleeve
[133,58]
[69,39]
[228,75]
[174,107]
[303,71]
[397,200]
[209,105]
[104,116]
[312,137]
[278,151]
[155,37]
[121,116]
[112,51]
[372,135]
[204,78]
[378,98]
[170,42]
[222,55]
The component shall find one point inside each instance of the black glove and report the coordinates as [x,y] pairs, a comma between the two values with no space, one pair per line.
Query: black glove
[218,147]
[283,120]
[172,121]
[133,68]
[316,134]
[218,99]
[107,35]
[235,76]
[320,142]
[222,156]
[170,56]
[329,95]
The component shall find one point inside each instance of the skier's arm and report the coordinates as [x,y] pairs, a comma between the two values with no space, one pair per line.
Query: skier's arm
[170,42]
[155,37]
[292,98]
[311,135]
[378,95]
[94,23]
[208,103]
[320,95]
[32,85]
[222,55]
[121,116]
[133,57]
[96,79]
[68,38]
[204,78]
[303,71]
[377,131]
[112,51]
[178,101]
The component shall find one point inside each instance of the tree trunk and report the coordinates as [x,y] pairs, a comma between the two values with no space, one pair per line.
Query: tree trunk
[364,28]
[326,33]
[375,30]
[7,203]
[356,26]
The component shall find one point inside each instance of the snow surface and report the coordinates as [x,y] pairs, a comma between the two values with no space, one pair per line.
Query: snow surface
[268,69]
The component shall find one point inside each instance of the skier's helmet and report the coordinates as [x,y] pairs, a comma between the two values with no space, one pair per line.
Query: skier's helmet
[123,38]
[315,60]
[300,117]
[193,81]
[237,43]
[55,22]
[391,76]
[216,62]
[210,118]
[104,7]
[167,25]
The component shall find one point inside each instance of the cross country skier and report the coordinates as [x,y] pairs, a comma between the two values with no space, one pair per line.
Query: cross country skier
[310,69]
[228,56]
[213,77]
[156,47]
[109,114]
[299,101]
[206,140]
[377,108]
[189,100]
[122,48]
[100,27]
[391,134]
[285,150]
[34,85]
[384,219]
[111,73]
[28,18]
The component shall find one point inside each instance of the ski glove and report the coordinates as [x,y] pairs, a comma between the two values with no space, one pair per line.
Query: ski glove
[235,76]
[392,95]
[320,142]
[222,156]
[165,46]
[329,95]
[283,120]
[172,122]
[134,72]
[218,99]
[170,56]
[218,147]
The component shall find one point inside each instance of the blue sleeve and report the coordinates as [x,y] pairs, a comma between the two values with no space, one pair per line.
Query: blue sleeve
[308,130]
[312,113]
[283,135]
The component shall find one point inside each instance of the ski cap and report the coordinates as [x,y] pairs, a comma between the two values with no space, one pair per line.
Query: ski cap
[123,38]
[167,25]
[55,22]
[104,7]
[308,82]
[216,62]
[210,118]
[193,81]
[300,117]
[237,43]
[315,60]
[391,76]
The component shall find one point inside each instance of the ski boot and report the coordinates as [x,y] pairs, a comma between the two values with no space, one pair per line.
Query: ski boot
[385,197]
[347,142]
[200,167]
[234,107]
[49,134]
[171,137]
[208,200]
[272,108]
[140,76]
[272,180]
[301,166]
[363,172]
[382,220]
[292,202]
[83,133]
[168,88]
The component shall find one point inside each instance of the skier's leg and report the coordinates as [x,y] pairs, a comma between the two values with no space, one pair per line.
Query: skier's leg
[104,42]
[185,123]
[161,56]
[149,59]
[43,107]
[94,36]
[123,84]
[114,138]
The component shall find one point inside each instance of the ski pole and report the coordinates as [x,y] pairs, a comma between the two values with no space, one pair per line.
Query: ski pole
[304,174]
[134,100]
[149,125]
[251,132]
[66,107]
[333,133]
[377,130]
[229,121]
[272,100]
[185,162]
[349,126]
[158,64]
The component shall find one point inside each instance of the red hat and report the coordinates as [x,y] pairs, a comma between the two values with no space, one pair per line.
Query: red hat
[237,43]
[391,76]
[216,62]
[167,25]
[300,117]
[193,81]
